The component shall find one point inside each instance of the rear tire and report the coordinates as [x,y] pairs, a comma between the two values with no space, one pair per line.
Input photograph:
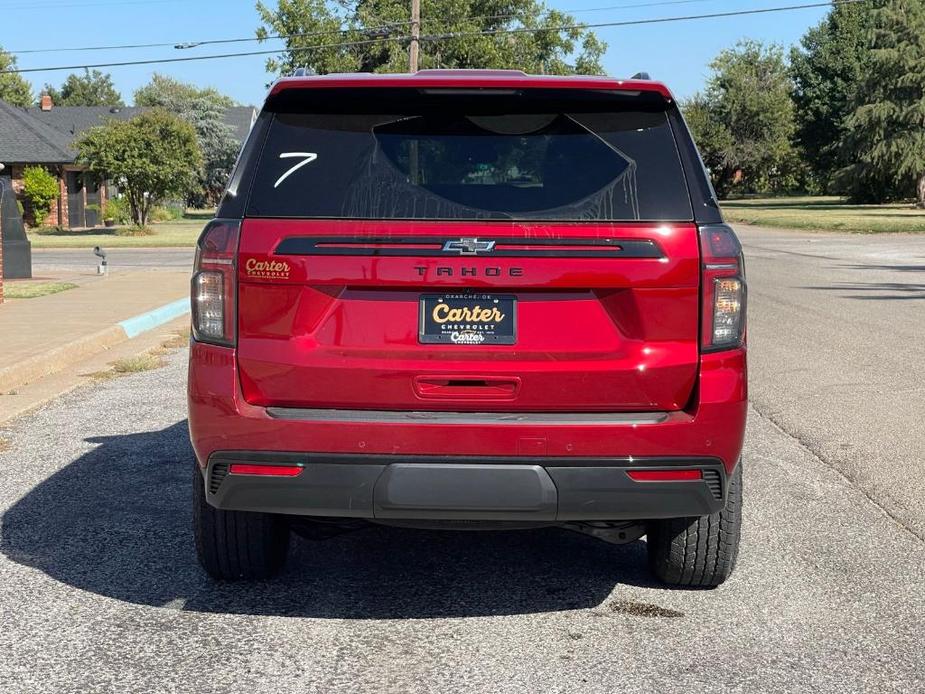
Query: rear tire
[237,545]
[698,552]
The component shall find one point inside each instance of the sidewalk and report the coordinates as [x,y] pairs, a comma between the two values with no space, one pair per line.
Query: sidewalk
[46,335]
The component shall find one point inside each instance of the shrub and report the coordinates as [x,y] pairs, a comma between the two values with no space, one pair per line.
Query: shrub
[166,213]
[118,210]
[41,189]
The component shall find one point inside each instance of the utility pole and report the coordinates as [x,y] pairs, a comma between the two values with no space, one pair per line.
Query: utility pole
[415,33]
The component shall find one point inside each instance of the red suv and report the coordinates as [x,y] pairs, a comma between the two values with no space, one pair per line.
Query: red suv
[465,299]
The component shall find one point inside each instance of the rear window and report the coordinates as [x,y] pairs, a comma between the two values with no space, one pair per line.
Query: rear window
[471,158]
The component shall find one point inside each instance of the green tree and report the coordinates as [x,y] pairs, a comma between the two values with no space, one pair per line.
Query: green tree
[218,145]
[713,139]
[204,109]
[166,92]
[826,70]
[90,89]
[40,188]
[377,49]
[885,138]
[152,157]
[743,121]
[14,89]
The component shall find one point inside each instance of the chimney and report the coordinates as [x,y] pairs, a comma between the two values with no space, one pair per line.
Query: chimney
[46,102]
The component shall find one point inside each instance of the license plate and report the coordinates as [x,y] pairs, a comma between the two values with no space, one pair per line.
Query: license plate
[468,319]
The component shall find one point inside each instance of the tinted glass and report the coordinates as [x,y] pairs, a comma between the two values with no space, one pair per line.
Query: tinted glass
[448,164]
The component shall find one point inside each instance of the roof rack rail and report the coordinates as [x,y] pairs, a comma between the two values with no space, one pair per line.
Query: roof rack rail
[641,76]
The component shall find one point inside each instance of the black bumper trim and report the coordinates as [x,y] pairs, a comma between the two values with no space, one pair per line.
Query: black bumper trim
[464,487]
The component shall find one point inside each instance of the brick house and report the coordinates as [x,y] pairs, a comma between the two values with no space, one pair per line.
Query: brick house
[45,135]
[25,141]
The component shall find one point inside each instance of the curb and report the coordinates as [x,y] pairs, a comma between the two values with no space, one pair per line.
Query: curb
[137,325]
[59,358]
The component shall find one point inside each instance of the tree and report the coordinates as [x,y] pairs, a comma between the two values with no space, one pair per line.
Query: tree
[218,145]
[14,89]
[743,122]
[90,89]
[380,28]
[713,139]
[826,71]
[166,92]
[40,188]
[204,109]
[153,156]
[885,137]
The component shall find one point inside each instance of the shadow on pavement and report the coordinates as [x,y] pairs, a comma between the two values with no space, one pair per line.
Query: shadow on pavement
[116,522]
[888,268]
[875,291]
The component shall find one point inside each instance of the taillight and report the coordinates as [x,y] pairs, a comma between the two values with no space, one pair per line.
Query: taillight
[213,285]
[723,288]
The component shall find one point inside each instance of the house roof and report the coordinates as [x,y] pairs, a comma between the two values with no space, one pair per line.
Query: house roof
[73,120]
[33,136]
[26,140]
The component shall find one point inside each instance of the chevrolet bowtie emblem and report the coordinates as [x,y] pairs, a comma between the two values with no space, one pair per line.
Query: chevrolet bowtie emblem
[468,246]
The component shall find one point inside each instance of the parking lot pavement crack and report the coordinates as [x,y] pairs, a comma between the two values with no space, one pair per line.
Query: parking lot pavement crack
[822,458]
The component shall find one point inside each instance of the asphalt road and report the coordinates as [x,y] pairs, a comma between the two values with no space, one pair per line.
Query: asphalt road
[53,260]
[837,355]
[100,590]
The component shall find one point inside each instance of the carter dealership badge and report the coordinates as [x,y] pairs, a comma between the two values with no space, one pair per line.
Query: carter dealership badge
[267,269]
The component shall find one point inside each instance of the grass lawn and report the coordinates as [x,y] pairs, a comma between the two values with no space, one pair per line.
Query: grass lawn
[181,233]
[824,214]
[32,290]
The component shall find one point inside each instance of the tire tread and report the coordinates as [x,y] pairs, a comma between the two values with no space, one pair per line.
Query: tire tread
[236,545]
[700,551]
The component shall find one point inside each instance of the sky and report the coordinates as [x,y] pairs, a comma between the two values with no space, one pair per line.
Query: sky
[677,53]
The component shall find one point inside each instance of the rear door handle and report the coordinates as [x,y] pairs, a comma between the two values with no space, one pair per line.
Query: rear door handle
[466,387]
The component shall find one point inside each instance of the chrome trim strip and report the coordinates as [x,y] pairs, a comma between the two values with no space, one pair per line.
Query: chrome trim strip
[485,418]
[505,247]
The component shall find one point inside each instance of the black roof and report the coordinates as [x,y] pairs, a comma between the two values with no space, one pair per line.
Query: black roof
[26,140]
[73,120]
[33,136]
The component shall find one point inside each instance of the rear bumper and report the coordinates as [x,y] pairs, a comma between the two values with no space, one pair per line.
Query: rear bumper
[348,455]
[463,488]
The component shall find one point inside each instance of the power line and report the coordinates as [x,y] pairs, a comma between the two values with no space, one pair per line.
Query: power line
[446,36]
[368,30]
[631,6]
[217,56]
[638,22]
[209,42]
